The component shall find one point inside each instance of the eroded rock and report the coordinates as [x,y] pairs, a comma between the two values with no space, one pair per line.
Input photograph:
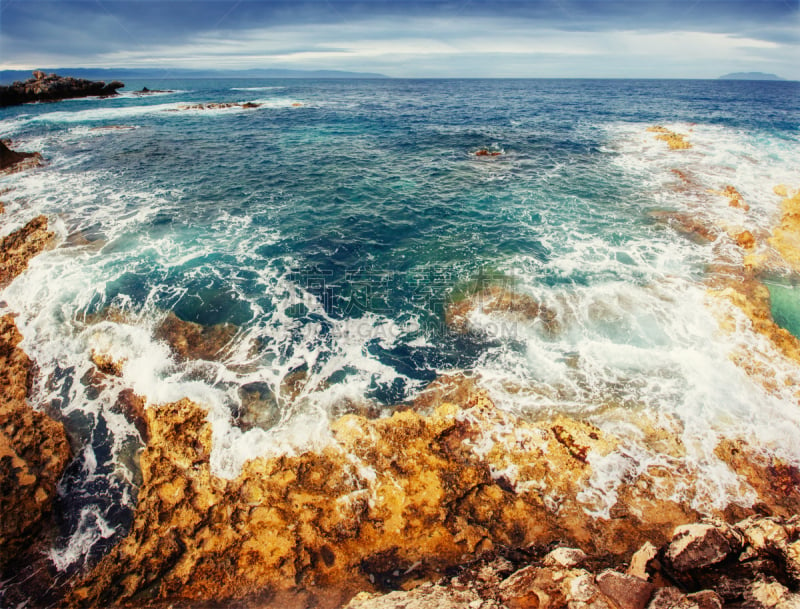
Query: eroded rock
[20,246]
[675,141]
[51,87]
[12,161]
[33,452]
[696,546]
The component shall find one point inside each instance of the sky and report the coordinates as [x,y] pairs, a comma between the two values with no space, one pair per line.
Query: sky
[428,38]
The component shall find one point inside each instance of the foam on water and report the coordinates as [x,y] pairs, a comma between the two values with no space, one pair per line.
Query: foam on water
[637,342]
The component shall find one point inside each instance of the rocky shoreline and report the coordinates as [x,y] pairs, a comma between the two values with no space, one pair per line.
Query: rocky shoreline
[450,502]
[51,87]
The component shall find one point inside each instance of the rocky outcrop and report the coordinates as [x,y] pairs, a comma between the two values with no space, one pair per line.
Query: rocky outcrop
[215,106]
[12,161]
[20,246]
[189,340]
[390,502]
[33,452]
[675,141]
[498,300]
[753,565]
[51,87]
[786,237]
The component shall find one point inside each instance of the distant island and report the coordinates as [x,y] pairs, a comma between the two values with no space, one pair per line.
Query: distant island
[8,76]
[750,76]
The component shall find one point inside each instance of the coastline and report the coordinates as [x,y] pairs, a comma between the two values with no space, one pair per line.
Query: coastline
[425,492]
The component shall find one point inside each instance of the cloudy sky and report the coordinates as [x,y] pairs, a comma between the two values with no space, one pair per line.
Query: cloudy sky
[427,38]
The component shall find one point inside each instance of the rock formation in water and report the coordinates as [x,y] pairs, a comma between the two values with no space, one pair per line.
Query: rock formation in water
[51,87]
[675,141]
[12,161]
[33,452]
[20,246]
[389,502]
[215,106]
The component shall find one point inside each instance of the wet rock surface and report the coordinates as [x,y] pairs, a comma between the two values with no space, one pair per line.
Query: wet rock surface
[189,340]
[215,106]
[12,161]
[51,87]
[33,452]
[20,246]
[389,504]
[675,141]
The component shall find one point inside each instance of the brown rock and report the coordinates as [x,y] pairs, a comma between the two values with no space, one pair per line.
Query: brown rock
[189,340]
[22,245]
[107,364]
[627,591]
[695,546]
[675,141]
[565,557]
[642,560]
[33,451]
[12,161]
[427,596]
[669,598]
[746,240]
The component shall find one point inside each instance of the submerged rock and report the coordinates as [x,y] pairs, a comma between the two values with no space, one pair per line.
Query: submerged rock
[189,340]
[12,161]
[215,106]
[51,87]
[20,246]
[497,300]
[33,453]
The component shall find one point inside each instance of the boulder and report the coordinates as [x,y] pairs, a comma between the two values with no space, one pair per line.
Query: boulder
[627,591]
[11,160]
[20,246]
[695,546]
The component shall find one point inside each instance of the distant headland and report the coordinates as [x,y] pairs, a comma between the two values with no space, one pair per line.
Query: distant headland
[750,76]
[7,76]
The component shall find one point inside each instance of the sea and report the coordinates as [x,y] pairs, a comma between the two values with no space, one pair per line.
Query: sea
[329,229]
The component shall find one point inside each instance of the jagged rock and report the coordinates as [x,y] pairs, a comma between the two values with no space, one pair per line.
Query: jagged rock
[54,88]
[20,246]
[675,141]
[189,340]
[12,161]
[33,452]
[786,237]
[107,364]
[427,596]
[696,546]
[627,591]
[769,594]
[215,106]
[745,240]
[642,560]
[565,557]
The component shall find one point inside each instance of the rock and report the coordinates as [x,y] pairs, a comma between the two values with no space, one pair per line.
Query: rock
[215,106]
[189,340]
[565,557]
[705,599]
[33,452]
[54,88]
[427,596]
[107,364]
[675,141]
[642,560]
[746,240]
[696,546]
[12,161]
[769,594]
[20,246]
[669,598]
[487,152]
[786,237]
[500,301]
[627,591]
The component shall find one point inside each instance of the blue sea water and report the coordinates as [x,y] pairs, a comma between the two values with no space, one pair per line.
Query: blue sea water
[333,224]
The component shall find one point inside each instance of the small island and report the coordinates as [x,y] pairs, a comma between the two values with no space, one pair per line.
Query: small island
[750,76]
[51,87]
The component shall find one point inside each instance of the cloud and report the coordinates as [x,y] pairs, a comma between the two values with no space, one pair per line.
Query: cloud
[478,38]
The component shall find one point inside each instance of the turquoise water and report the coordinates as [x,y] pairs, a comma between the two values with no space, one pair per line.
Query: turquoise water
[785,304]
[333,224]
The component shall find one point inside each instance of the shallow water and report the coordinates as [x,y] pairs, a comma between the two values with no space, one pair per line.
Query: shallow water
[332,225]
